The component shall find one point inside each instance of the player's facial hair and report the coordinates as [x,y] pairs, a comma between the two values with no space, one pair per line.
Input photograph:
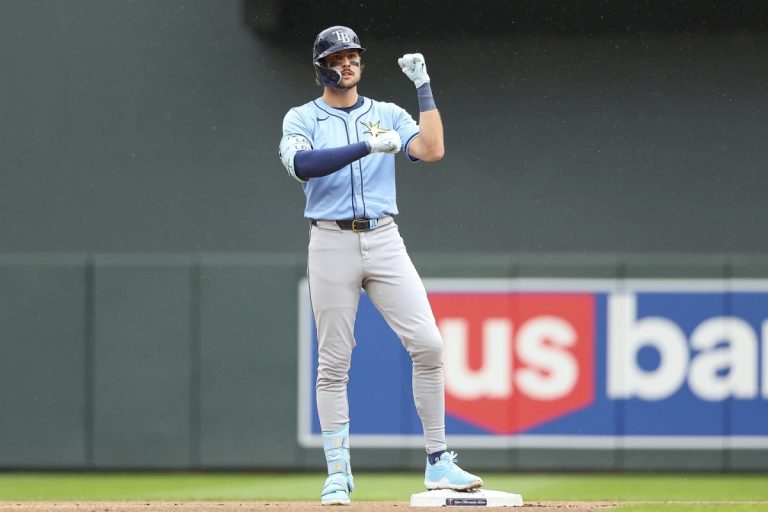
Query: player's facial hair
[357,64]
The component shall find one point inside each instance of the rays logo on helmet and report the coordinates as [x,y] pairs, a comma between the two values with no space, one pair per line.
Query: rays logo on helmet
[342,36]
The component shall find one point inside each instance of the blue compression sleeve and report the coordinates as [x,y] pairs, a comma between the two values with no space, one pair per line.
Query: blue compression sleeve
[426,100]
[317,163]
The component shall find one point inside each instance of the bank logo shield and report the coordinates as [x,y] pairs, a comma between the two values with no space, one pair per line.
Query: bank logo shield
[515,361]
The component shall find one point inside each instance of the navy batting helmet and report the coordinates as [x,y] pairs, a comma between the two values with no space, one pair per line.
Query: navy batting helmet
[332,40]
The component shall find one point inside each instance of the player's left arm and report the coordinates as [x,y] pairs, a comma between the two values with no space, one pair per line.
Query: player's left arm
[429,144]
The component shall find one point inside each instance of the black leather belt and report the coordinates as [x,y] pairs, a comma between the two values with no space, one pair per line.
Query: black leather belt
[355,225]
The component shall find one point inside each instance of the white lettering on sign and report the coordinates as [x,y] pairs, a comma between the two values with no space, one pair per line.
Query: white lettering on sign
[765,359]
[727,364]
[547,370]
[492,379]
[626,336]
[721,361]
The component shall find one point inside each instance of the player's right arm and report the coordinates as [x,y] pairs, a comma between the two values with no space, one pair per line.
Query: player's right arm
[316,163]
[302,161]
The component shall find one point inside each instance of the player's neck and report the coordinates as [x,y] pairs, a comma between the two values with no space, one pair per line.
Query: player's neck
[340,98]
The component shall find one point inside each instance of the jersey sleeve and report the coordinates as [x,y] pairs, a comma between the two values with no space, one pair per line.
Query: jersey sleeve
[407,128]
[296,137]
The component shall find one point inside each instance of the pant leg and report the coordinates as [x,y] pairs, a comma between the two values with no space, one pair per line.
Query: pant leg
[396,289]
[334,272]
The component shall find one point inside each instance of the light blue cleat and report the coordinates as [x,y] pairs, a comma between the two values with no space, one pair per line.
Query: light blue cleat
[336,489]
[340,482]
[446,474]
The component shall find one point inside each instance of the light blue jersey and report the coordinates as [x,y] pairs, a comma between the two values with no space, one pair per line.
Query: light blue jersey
[366,187]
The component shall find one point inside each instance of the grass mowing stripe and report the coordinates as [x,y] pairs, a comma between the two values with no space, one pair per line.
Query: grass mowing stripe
[374,486]
[694,507]
[150,486]
[635,487]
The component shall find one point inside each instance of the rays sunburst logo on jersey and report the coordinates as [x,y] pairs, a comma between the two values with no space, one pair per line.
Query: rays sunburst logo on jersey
[374,129]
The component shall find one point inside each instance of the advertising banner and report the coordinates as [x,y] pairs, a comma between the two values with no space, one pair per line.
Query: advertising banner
[566,363]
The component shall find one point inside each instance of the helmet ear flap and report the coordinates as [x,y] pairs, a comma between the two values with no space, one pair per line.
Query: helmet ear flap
[326,77]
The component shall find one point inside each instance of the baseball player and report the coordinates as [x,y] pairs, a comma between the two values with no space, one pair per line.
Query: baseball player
[341,147]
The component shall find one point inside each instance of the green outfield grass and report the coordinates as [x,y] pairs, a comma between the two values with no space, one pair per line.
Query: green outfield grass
[393,487]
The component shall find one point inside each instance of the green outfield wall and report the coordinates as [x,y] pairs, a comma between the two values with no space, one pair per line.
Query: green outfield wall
[570,126]
[152,245]
[185,362]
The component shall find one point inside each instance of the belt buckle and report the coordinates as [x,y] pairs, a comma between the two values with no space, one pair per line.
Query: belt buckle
[368,223]
[355,222]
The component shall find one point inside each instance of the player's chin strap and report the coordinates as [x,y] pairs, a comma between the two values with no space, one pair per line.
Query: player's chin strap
[336,447]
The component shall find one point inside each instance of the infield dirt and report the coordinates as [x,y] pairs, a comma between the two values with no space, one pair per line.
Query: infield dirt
[282,506]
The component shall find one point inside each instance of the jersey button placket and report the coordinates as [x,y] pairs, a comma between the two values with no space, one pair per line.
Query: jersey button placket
[357,177]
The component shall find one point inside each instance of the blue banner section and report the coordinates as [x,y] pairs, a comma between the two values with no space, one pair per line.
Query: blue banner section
[668,361]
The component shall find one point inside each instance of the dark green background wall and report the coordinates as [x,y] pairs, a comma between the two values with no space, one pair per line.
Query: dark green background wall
[148,361]
[190,362]
[147,126]
[140,138]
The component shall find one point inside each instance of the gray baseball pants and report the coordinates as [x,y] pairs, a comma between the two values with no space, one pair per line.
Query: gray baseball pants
[340,263]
